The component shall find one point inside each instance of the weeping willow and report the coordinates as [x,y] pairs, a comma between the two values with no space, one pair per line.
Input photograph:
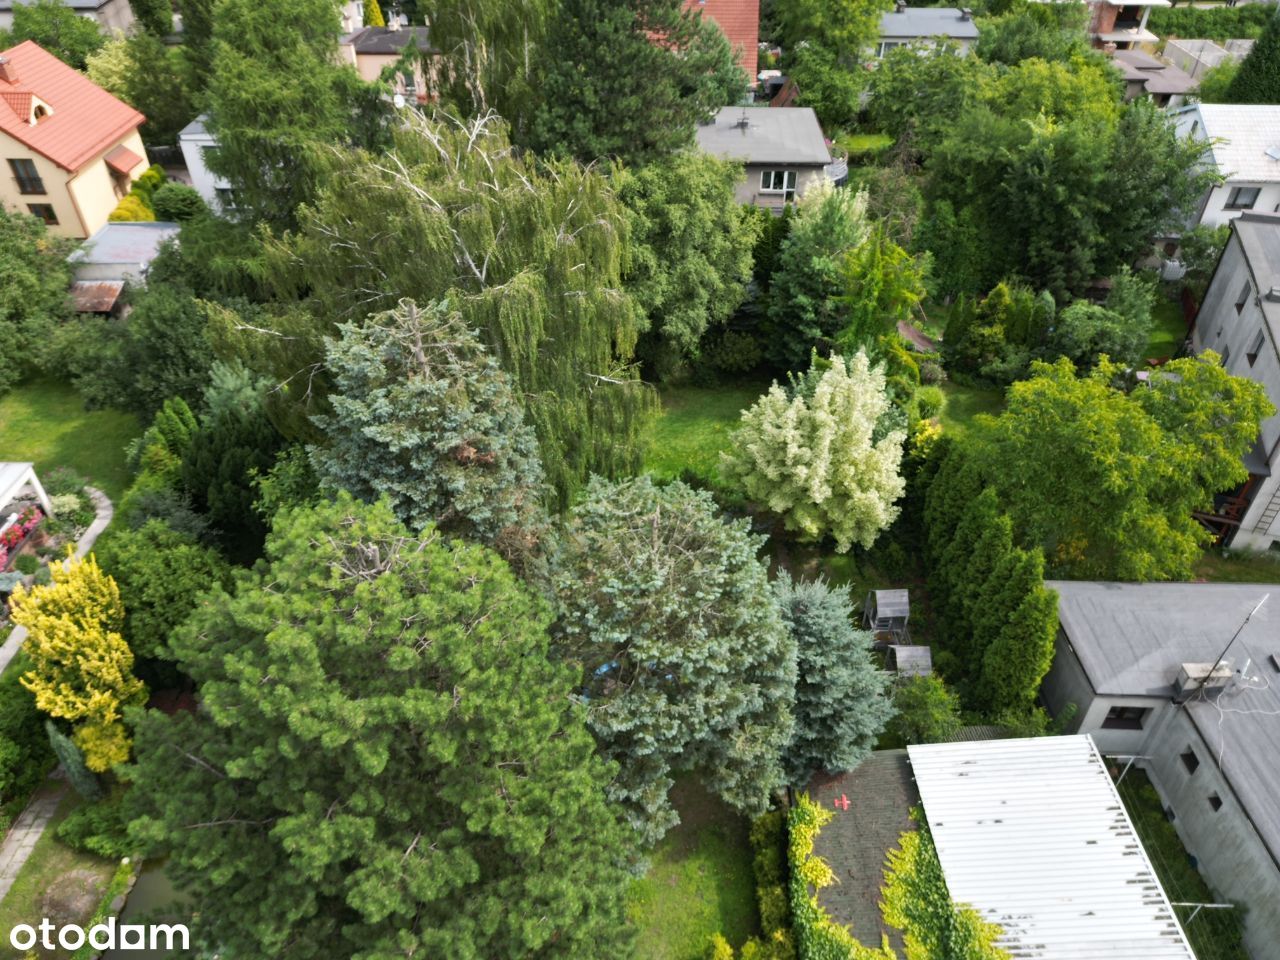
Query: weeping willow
[530,254]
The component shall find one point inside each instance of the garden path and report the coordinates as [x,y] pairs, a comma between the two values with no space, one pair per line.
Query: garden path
[23,835]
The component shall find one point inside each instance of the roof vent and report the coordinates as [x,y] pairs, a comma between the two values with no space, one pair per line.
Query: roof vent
[1273,295]
[742,123]
[900,6]
[1273,151]
[1209,677]
[8,70]
[966,13]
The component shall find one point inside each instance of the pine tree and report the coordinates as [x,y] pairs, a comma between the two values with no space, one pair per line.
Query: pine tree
[373,14]
[81,668]
[816,456]
[1258,79]
[610,90]
[842,698]
[684,661]
[385,762]
[423,415]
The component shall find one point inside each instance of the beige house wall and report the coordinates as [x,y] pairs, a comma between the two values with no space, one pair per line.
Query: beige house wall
[81,201]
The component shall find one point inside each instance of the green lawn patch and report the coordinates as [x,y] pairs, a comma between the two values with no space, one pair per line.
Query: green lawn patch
[44,421]
[1213,934]
[964,403]
[1167,331]
[1238,567]
[694,427]
[700,882]
[56,882]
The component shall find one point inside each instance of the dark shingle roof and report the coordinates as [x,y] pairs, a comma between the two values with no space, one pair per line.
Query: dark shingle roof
[384,40]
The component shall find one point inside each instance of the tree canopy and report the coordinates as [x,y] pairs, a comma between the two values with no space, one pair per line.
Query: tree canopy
[1106,481]
[59,29]
[385,762]
[684,662]
[1258,79]
[609,90]
[424,416]
[529,255]
[825,455]
[34,276]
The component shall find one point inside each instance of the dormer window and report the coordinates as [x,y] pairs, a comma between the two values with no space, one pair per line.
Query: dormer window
[39,111]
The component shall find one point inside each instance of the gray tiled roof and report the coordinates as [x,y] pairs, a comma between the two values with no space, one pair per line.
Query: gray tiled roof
[927,22]
[1259,234]
[782,135]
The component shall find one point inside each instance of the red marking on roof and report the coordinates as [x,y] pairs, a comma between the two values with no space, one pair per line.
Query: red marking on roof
[740,21]
[841,802]
[84,119]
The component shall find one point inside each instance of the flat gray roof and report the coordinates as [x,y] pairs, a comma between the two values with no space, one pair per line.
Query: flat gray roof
[1131,638]
[125,243]
[782,135]
[1157,76]
[919,22]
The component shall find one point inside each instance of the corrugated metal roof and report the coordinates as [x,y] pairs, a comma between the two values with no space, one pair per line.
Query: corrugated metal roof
[96,297]
[1032,834]
[739,20]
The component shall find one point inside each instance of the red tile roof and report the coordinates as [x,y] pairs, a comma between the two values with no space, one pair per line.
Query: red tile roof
[83,120]
[740,21]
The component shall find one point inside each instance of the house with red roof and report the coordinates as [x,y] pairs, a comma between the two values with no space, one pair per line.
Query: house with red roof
[740,22]
[70,149]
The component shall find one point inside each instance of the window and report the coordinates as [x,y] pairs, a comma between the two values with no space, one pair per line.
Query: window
[778,181]
[887,45]
[1226,353]
[1125,718]
[1215,801]
[40,112]
[226,197]
[1256,347]
[27,177]
[45,212]
[1190,760]
[1242,198]
[1245,293]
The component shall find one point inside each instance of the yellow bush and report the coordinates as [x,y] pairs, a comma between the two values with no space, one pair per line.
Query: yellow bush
[131,209]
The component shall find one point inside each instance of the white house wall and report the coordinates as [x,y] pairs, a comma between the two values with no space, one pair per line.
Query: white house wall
[1230,854]
[1219,328]
[205,182]
[1215,213]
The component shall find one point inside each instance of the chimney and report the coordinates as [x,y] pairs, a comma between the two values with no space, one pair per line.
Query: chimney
[8,72]
[900,6]
[966,13]
[1274,294]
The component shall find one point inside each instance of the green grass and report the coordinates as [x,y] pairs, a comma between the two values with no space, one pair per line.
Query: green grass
[44,421]
[964,403]
[694,427]
[1168,330]
[700,882]
[1238,567]
[52,871]
[861,144]
[1214,934]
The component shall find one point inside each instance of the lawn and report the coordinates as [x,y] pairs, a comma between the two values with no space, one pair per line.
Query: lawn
[56,882]
[964,403]
[1238,567]
[694,427]
[1214,934]
[860,146]
[700,881]
[1168,330]
[44,421]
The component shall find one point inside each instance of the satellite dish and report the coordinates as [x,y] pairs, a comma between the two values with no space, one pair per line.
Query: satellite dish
[398,100]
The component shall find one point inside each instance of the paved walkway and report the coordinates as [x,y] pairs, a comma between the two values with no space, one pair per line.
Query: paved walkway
[23,835]
[105,511]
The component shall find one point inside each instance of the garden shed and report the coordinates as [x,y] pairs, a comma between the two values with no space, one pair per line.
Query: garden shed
[910,661]
[887,611]
[19,480]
